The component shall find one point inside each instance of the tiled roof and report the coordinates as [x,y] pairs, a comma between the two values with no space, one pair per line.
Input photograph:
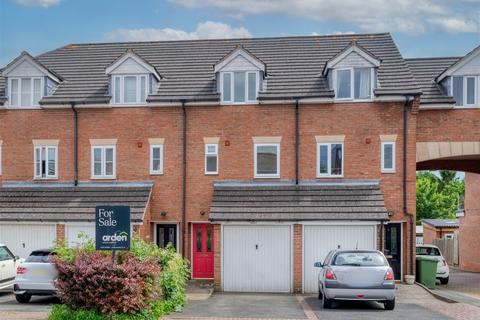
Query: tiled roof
[425,70]
[442,223]
[68,203]
[310,200]
[294,67]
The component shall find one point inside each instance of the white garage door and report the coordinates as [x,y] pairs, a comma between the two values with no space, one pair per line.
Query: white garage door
[257,258]
[319,240]
[73,230]
[22,239]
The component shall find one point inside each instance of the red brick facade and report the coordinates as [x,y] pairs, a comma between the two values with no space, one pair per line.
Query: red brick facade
[468,232]
[361,123]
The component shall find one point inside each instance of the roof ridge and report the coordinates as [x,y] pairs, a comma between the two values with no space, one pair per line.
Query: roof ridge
[433,58]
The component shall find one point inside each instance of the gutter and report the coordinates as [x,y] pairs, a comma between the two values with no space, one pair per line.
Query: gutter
[184,176]
[75,144]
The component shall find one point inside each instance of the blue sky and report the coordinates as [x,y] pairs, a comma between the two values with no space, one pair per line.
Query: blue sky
[420,27]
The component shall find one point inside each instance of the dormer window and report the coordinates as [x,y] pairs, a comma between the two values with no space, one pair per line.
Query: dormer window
[239,87]
[352,73]
[463,90]
[28,81]
[354,83]
[132,79]
[130,89]
[239,76]
[25,92]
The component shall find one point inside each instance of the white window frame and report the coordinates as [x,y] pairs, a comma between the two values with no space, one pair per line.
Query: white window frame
[383,169]
[19,93]
[352,84]
[329,160]
[122,88]
[207,154]
[232,86]
[475,87]
[160,170]
[260,175]
[38,175]
[103,162]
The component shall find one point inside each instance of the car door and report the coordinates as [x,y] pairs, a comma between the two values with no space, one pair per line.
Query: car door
[7,267]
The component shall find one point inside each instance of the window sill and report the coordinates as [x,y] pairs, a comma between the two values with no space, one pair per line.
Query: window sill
[46,178]
[267,177]
[211,173]
[466,107]
[388,171]
[346,100]
[329,177]
[103,178]
[156,173]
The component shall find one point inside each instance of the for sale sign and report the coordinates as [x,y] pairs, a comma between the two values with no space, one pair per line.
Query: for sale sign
[112,228]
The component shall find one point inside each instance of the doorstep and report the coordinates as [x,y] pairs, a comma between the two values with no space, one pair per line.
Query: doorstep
[199,289]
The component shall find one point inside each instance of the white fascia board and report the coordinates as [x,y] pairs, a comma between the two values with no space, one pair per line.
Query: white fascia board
[239,52]
[24,58]
[437,106]
[457,65]
[137,59]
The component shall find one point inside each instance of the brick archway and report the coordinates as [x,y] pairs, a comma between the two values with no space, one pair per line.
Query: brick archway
[449,155]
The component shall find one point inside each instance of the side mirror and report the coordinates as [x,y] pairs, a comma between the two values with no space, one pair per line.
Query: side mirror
[318,265]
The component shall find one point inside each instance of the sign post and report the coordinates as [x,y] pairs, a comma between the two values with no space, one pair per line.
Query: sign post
[112,228]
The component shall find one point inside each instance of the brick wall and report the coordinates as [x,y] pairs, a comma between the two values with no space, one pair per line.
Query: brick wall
[297,258]
[469,225]
[60,229]
[217,249]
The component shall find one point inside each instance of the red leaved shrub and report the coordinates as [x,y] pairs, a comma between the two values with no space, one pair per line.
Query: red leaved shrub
[93,282]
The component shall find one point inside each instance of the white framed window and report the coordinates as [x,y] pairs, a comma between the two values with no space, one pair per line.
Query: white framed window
[464,90]
[25,92]
[330,159]
[130,89]
[354,83]
[211,158]
[239,87]
[267,160]
[388,157]
[103,162]
[156,159]
[45,162]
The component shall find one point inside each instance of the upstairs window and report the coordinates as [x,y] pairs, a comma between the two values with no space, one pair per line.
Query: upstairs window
[103,162]
[25,92]
[130,89]
[464,91]
[211,158]
[267,160]
[239,87]
[156,159]
[330,159]
[45,162]
[388,157]
[353,83]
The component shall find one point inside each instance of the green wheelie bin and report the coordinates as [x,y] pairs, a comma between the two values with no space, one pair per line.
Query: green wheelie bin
[427,271]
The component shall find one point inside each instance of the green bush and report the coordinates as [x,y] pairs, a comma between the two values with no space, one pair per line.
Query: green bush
[171,283]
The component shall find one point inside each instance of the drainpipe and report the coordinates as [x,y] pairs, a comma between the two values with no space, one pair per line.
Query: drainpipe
[75,144]
[297,140]
[405,209]
[184,176]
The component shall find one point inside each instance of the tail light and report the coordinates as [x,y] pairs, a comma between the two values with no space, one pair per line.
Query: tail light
[21,270]
[389,276]
[330,275]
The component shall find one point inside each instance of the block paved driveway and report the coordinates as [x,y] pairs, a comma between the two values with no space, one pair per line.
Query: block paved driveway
[413,302]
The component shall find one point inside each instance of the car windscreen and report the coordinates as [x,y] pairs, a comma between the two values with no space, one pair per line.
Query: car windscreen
[5,254]
[39,256]
[427,251]
[359,259]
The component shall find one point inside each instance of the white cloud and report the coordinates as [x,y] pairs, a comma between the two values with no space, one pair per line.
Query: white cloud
[38,3]
[405,16]
[204,30]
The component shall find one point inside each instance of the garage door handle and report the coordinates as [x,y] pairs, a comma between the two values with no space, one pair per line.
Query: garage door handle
[256,247]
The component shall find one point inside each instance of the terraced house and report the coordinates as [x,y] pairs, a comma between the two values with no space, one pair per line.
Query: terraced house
[253,157]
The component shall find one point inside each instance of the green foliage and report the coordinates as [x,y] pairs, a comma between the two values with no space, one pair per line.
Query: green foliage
[437,197]
[62,312]
[171,283]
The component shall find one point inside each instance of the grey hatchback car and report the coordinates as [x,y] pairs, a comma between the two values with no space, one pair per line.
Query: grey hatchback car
[356,275]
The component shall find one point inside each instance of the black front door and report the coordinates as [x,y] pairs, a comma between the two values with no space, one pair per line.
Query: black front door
[393,247]
[166,233]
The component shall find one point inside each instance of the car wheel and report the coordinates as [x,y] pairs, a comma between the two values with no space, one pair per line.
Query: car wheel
[320,295]
[23,298]
[444,280]
[389,304]
[327,303]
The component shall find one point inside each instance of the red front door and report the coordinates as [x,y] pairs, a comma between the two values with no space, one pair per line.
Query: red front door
[202,250]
